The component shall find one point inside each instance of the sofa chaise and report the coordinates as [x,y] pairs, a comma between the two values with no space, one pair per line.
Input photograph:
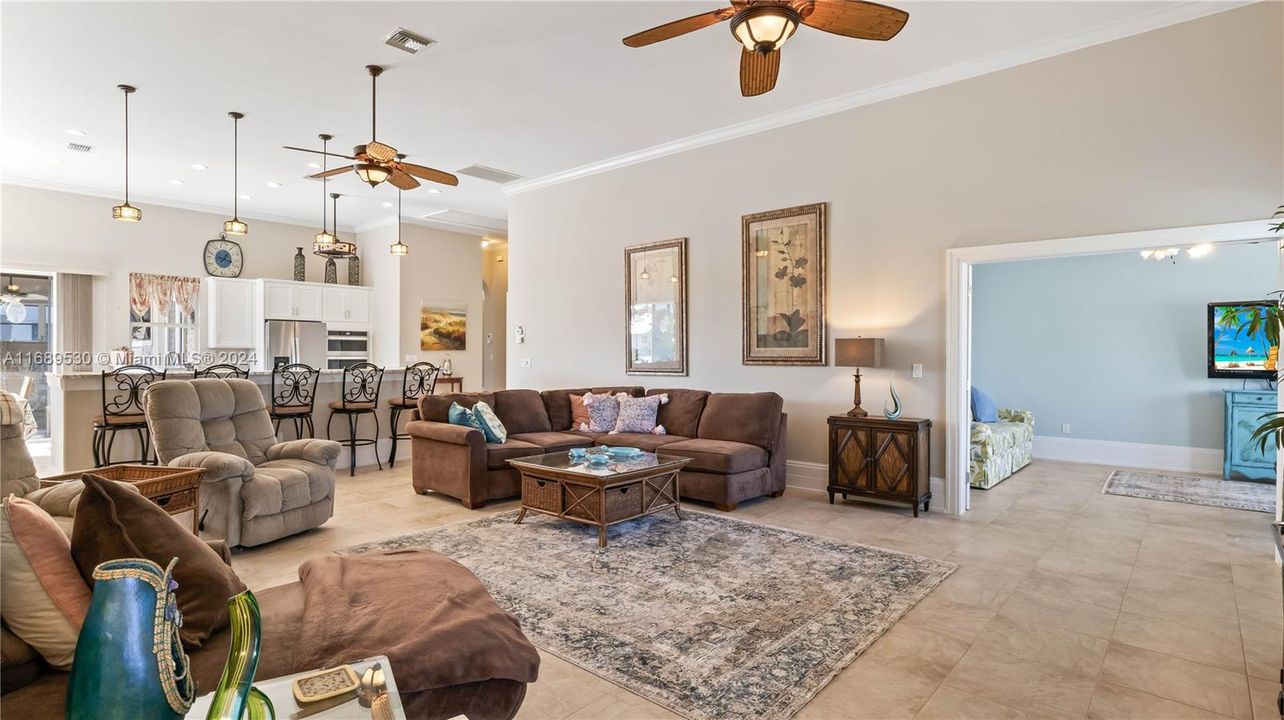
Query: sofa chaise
[736,442]
[999,449]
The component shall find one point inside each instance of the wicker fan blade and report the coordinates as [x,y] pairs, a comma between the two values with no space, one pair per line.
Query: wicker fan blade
[852,18]
[428,173]
[318,152]
[678,27]
[758,72]
[332,173]
[401,180]
[380,152]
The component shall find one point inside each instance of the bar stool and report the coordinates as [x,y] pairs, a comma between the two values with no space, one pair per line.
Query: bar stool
[223,370]
[293,393]
[359,395]
[420,379]
[123,410]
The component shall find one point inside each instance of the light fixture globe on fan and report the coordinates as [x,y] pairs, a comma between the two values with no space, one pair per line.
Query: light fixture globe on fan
[765,28]
[372,174]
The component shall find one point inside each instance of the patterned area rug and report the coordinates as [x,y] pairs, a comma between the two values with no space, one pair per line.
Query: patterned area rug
[710,617]
[1192,489]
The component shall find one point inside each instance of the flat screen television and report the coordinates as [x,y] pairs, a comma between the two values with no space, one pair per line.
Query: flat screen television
[1237,344]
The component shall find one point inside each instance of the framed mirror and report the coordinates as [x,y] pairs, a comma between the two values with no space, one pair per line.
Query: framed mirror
[655,308]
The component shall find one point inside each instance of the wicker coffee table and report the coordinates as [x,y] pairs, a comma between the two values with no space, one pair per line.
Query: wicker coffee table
[600,495]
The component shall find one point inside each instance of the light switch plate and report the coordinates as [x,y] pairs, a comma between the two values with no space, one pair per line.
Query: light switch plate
[917,370]
[526,362]
[1065,428]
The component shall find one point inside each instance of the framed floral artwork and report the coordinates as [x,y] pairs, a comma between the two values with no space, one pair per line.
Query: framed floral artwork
[784,286]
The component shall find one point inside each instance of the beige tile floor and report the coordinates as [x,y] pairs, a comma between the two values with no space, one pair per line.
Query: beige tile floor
[1067,603]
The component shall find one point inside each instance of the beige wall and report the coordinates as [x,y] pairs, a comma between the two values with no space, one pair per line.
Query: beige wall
[495,310]
[68,232]
[1182,126]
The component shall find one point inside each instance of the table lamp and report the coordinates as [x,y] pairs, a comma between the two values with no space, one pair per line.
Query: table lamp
[858,353]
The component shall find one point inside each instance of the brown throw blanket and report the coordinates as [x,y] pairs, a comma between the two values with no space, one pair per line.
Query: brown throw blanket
[429,614]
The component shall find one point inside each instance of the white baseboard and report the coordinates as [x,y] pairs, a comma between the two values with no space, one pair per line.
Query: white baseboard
[1126,454]
[814,477]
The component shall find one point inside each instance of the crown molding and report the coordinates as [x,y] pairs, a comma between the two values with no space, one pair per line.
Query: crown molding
[460,228]
[161,202]
[1145,22]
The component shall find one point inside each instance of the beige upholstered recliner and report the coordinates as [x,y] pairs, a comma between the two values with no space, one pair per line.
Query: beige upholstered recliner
[255,489]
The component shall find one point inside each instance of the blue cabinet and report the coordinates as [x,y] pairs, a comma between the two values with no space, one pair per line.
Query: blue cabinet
[1244,409]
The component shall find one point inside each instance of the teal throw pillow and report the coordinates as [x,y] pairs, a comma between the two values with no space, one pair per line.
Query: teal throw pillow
[460,415]
[490,425]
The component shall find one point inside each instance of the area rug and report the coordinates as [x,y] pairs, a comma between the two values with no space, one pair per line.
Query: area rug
[1192,489]
[710,617]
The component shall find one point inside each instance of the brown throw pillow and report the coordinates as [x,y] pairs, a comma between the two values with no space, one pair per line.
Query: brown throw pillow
[579,413]
[112,522]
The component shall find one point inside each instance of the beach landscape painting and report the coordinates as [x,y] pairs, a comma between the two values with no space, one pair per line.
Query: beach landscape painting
[1240,341]
[443,326]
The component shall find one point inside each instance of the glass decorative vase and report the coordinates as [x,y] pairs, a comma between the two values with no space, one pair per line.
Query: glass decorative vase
[354,270]
[300,266]
[129,662]
[331,271]
[447,368]
[236,698]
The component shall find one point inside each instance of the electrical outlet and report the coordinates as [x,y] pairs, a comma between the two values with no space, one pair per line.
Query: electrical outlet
[917,370]
[1065,428]
[526,362]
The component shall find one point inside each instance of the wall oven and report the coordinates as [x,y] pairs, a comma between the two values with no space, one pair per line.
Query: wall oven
[346,347]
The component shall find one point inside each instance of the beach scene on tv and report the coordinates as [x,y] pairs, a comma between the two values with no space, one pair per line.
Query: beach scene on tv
[1239,335]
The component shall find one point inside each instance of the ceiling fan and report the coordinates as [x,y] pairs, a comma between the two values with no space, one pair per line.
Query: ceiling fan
[377,162]
[12,293]
[763,26]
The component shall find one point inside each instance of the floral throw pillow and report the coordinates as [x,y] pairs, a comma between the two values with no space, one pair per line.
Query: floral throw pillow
[638,414]
[491,427]
[603,411]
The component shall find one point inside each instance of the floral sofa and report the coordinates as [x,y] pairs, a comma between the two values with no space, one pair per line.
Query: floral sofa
[1000,448]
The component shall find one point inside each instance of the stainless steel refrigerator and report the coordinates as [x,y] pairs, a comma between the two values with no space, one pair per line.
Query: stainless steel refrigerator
[293,341]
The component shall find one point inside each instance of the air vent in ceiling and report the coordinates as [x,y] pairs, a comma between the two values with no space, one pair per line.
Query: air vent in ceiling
[490,173]
[80,148]
[407,41]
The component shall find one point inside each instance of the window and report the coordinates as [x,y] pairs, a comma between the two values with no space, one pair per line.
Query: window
[162,319]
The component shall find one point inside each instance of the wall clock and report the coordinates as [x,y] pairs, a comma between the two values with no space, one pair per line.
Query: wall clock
[223,258]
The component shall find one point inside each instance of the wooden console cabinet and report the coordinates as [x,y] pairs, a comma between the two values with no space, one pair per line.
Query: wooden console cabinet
[873,457]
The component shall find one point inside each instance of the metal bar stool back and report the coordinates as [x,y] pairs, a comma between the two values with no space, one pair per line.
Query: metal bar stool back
[358,395]
[223,370]
[420,379]
[294,394]
[122,409]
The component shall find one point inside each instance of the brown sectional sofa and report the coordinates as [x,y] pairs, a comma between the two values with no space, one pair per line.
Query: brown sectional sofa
[736,442]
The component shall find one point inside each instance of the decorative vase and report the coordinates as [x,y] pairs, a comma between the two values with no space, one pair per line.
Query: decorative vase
[895,410]
[300,266]
[331,271]
[236,697]
[354,270]
[446,368]
[129,660]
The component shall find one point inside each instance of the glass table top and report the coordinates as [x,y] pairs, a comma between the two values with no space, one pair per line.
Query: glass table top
[569,461]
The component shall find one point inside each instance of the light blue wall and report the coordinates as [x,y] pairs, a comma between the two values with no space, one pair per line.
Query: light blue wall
[1112,344]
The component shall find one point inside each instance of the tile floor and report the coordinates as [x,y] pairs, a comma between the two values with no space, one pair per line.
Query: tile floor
[1067,603]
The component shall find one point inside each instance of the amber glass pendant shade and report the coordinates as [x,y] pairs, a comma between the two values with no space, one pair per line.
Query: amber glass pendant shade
[126,213]
[373,174]
[235,226]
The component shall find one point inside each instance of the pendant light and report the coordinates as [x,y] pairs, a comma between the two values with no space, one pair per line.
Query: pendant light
[126,212]
[235,226]
[399,248]
[323,238]
[337,249]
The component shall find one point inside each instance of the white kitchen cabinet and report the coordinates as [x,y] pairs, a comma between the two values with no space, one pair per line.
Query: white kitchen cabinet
[291,301]
[229,305]
[347,307]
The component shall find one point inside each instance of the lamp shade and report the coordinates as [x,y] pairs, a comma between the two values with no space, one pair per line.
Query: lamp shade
[858,352]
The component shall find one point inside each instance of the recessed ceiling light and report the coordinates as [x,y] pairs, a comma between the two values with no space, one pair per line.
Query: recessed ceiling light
[434,191]
[74,131]
[176,181]
[198,166]
[55,161]
[315,166]
[274,185]
[387,204]
[246,197]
